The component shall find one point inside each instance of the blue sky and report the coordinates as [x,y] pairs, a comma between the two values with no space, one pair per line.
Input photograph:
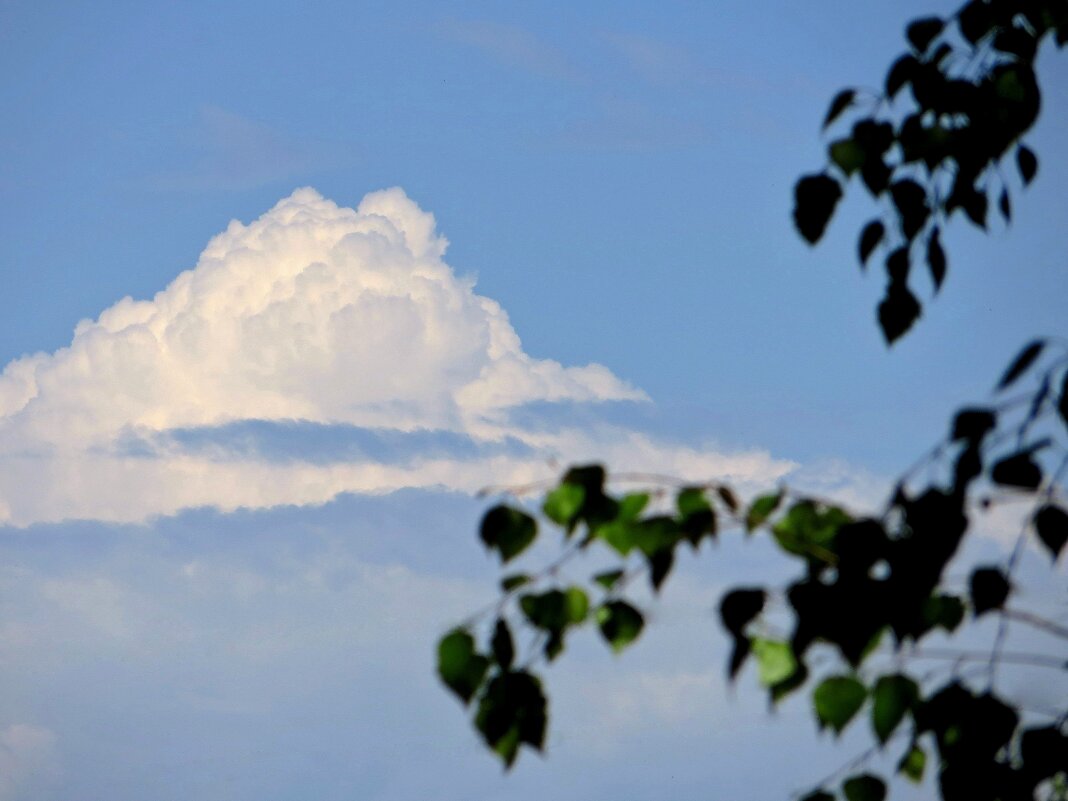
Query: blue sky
[198,530]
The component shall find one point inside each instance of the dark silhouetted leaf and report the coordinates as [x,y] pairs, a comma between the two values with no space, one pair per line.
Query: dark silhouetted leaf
[911,201]
[1023,360]
[973,424]
[989,589]
[837,701]
[1005,206]
[620,624]
[900,74]
[818,795]
[1051,525]
[508,530]
[870,238]
[509,583]
[730,500]
[563,503]
[841,102]
[898,264]
[815,198]
[936,260]
[865,787]
[1027,163]
[1044,752]
[761,509]
[912,764]
[1062,401]
[512,713]
[660,564]
[775,660]
[502,646]
[459,665]
[898,311]
[975,20]
[892,699]
[922,32]
[1019,470]
[739,607]
[975,206]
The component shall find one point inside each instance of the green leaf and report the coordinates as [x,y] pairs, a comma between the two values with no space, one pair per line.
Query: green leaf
[870,238]
[502,646]
[808,529]
[459,665]
[946,611]
[609,579]
[1024,359]
[697,519]
[632,505]
[1051,525]
[865,787]
[922,32]
[989,589]
[691,500]
[837,701]
[509,583]
[841,102]
[619,535]
[578,605]
[512,712]
[936,260]
[892,698]
[848,155]
[815,198]
[620,624]
[508,530]
[1018,470]
[563,503]
[761,509]
[775,660]
[555,610]
[1027,163]
[912,764]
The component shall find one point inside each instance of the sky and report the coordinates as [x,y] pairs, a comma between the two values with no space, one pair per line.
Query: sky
[285,286]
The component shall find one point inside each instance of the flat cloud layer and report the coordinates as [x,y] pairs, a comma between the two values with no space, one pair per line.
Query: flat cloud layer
[313,313]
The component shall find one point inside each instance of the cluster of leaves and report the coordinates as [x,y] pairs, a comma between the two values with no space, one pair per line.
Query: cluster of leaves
[938,148]
[868,587]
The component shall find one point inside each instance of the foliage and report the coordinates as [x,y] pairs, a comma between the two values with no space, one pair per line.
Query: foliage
[939,148]
[869,590]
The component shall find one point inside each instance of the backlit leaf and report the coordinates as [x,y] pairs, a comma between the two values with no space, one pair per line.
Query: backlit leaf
[892,699]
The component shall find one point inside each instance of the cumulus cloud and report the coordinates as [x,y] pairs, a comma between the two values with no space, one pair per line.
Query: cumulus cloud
[314,313]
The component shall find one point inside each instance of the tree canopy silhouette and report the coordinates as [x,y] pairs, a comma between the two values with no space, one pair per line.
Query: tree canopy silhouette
[931,146]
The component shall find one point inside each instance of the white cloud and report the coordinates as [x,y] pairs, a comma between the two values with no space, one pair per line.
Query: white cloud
[316,313]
